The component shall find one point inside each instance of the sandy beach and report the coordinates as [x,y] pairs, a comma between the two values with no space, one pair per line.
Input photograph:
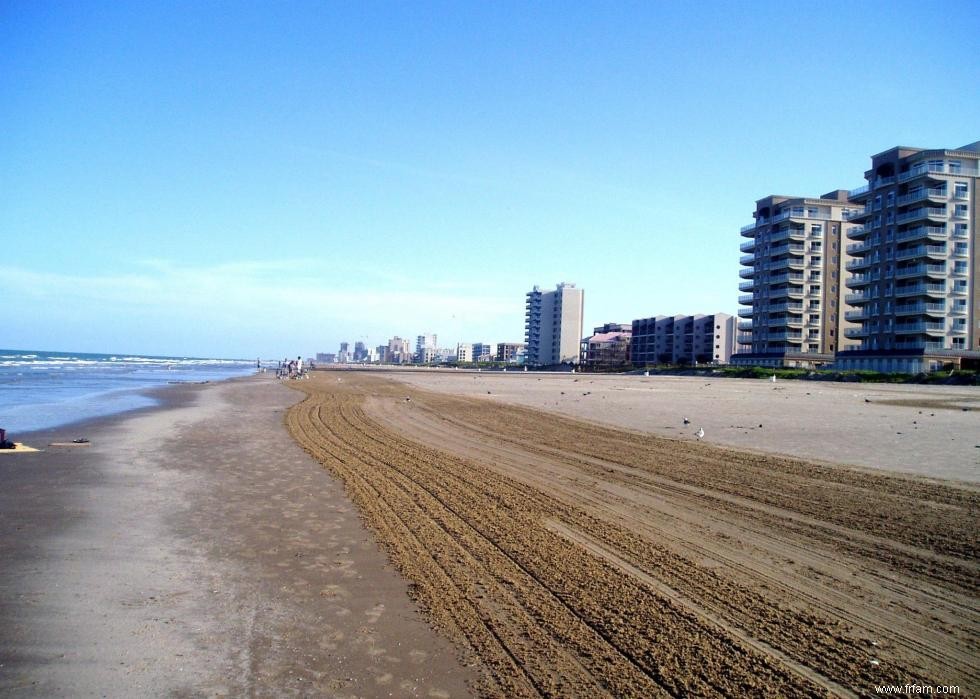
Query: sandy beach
[196,550]
[445,534]
[931,431]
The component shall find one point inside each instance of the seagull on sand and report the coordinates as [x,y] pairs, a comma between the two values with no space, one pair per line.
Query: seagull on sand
[686,421]
[700,433]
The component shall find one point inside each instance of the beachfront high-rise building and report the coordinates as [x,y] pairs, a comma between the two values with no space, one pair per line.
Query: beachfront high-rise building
[360,352]
[464,352]
[794,310]
[425,348]
[399,351]
[683,339]
[343,356]
[553,325]
[913,278]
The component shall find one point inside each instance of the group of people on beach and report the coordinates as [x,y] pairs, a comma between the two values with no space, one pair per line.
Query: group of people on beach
[290,369]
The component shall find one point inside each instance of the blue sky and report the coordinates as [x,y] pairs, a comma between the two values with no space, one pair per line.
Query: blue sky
[244,179]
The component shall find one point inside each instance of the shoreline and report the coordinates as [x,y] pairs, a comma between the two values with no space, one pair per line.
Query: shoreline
[194,548]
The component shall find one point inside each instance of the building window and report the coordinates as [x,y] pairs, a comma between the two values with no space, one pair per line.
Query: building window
[961,190]
[890,200]
[960,211]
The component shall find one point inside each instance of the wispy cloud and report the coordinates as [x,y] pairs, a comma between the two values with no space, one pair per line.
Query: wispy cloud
[287,288]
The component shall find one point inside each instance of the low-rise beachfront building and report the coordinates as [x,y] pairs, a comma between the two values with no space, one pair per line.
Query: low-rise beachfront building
[794,311]
[553,325]
[325,357]
[608,347]
[464,352]
[915,303]
[484,352]
[510,352]
[682,339]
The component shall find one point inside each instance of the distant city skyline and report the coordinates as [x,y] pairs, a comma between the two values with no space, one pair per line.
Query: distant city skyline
[257,180]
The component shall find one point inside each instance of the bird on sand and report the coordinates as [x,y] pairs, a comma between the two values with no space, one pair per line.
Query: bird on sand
[700,433]
[686,421]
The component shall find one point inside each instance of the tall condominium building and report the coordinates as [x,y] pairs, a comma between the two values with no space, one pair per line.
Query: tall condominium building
[464,352]
[425,348]
[793,311]
[553,325]
[682,339]
[343,356]
[913,277]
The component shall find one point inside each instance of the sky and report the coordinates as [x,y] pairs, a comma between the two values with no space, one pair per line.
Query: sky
[242,179]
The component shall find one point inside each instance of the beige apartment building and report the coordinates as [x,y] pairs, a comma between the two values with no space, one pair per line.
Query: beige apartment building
[912,280]
[553,325]
[794,312]
[682,339]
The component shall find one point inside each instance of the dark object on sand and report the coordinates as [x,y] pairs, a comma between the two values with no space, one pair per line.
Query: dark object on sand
[80,440]
[4,444]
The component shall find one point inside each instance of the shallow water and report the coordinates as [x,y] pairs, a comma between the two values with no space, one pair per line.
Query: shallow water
[40,390]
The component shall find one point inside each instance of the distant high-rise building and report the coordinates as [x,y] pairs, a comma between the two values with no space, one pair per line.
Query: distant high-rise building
[425,348]
[793,276]
[343,356]
[914,297]
[464,352]
[360,352]
[553,325]
[399,351]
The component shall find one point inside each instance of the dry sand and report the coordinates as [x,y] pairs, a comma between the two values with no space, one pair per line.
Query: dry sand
[907,428]
[196,550]
[579,560]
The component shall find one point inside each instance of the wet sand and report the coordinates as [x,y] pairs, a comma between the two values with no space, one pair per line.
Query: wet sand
[196,550]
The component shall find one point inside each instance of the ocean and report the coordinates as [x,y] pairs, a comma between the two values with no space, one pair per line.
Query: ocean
[41,390]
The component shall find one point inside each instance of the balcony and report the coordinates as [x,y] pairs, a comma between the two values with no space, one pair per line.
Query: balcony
[787,248]
[861,314]
[745,326]
[856,232]
[746,286]
[793,277]
[922,212]
[747,260]
[856,332]
[919,328]
[857,298]
[920,290]
[858,248]
[788,234]
[792,292]
[860,263]
[786,306]
[743,339]
[917,309]
[934,232]
[920,270]
[745,298]
[745,312]
[785,336]
[921,251]
[857,192]
[749,227]
[933,193]
[919,345]
[924,169]
[856,280]
[794,321]
[747,247]
[855,215]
